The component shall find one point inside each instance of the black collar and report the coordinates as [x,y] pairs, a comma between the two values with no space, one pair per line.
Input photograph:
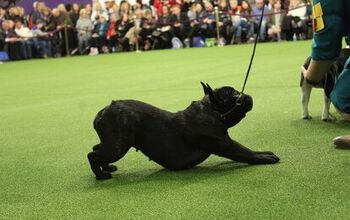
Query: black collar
[222,116]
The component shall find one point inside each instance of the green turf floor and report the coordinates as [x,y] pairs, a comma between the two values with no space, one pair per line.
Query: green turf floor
[46,114]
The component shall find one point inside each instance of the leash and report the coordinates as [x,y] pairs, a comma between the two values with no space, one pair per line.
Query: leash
[254,48]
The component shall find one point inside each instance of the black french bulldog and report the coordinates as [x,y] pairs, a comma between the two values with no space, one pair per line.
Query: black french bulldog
[176,141]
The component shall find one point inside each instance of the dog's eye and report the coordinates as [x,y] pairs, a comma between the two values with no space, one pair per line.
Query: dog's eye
[236,94]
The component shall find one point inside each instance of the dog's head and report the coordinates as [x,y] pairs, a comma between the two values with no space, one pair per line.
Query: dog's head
[230,104]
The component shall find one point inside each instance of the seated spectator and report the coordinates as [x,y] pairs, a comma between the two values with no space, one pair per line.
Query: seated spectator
[13,14]
[88,9]
[97,12]
[43,45]
[256,13]
[147,25]
[23,17]
[64,25]
[139,5]
[108,4]
[269,4]
[164,18]
[66,22]
[13,44]
[245,22]
[3,15]
[2,37]
[98,39]
[74,16]
[159,4]
[285,4]
[84,27]
[124,8]
[26,36]
[194,15]
[179,22]
[47,15]
[297,14]
[235,12]
[225,22]
[164,28]
[17,13]
[114,10]
[207,18]
[192,12]
[112,35]
[133,32]
[185,6]
[56,38]
[123,26]
[275,22]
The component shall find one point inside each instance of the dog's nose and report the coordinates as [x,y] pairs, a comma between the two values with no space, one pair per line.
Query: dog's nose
[248,102]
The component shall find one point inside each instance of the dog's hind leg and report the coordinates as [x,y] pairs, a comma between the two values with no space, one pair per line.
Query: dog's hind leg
[305,97]
[326,116]
[105,167]
[110,150]
[100,159]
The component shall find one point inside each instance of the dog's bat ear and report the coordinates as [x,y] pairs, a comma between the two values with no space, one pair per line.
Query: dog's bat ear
[212,97]
[205,88]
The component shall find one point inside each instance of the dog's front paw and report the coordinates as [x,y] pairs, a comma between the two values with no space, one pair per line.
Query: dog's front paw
[268,158]
[264,152]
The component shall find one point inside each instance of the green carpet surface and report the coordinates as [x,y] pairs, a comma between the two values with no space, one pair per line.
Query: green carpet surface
[46,114]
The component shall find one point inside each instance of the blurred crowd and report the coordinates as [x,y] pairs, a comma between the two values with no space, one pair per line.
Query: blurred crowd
[108,26]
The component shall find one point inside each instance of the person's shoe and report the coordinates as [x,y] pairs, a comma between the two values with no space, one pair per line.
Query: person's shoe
[342,141]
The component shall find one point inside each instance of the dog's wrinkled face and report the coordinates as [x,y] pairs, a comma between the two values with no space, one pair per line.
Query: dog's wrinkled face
[231,104]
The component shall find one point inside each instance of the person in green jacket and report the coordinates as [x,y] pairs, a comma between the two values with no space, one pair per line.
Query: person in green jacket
[331,24]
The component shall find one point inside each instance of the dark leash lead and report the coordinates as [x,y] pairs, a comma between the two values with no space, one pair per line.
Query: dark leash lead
[254,48]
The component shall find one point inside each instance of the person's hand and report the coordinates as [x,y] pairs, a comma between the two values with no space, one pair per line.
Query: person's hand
[304,71]
[316,71]
[305,74]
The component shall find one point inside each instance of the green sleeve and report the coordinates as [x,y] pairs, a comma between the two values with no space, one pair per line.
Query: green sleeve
[327,43]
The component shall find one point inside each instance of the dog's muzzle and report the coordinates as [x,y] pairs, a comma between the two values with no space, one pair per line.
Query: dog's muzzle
[243,102]
[247,102]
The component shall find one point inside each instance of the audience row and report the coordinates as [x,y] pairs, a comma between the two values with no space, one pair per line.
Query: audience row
[108,26]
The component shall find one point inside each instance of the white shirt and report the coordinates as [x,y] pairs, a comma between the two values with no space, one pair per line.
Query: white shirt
[300,11]
[24,32]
